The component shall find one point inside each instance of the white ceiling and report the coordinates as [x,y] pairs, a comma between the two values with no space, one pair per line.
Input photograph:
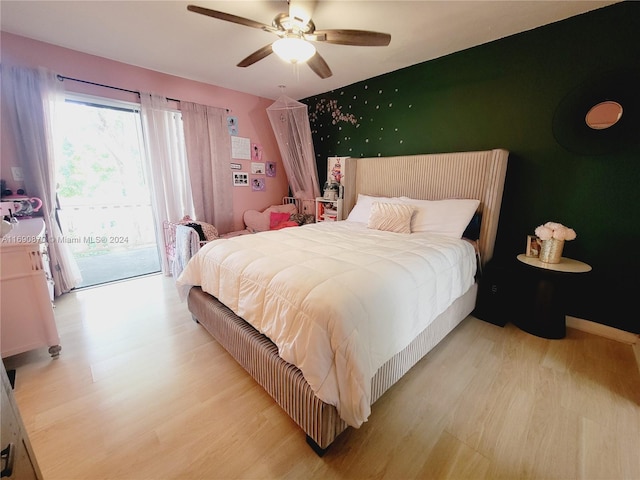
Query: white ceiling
[164,36]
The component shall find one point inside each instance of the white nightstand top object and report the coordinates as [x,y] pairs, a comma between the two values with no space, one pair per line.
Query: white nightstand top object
[567,265]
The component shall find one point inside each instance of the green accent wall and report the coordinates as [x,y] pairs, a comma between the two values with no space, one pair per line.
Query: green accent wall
[505,94]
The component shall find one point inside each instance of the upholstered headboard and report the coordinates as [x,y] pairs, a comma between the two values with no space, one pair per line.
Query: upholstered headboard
[479,175]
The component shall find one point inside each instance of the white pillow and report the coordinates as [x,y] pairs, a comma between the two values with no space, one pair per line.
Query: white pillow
[391,217]
[448,217]
[362,209]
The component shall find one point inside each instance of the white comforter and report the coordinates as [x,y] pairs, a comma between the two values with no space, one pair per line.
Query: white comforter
[338,299]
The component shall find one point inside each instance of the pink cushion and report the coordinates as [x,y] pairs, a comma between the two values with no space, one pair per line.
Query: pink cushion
[277,218]
[288,223]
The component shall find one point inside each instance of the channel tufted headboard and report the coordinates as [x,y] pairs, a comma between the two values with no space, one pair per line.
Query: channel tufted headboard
[479,175]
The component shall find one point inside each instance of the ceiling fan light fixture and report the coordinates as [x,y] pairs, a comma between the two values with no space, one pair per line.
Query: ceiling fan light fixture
[293,49]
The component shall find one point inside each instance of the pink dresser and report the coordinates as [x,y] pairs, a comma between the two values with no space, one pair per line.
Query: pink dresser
[26,313]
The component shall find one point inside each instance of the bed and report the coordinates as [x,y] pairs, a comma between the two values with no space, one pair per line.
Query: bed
[326,393]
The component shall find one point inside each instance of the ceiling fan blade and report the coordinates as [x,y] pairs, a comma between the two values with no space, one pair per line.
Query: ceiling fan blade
[228,17]
[319,66]
[257,55]
[363,38]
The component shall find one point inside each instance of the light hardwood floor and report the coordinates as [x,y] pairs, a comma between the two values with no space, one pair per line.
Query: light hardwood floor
[140,391]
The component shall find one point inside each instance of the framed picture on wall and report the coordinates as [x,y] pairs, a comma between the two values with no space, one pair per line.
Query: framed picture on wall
[240,179]
[257,184]
[257,167]
[256,152]
[232,125]
[271,169]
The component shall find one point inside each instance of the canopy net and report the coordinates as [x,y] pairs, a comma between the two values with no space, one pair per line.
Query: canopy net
[290,123]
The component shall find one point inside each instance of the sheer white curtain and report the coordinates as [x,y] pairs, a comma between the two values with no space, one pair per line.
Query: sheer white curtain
[30,98]
[166,165]
[209,153]
[290,123]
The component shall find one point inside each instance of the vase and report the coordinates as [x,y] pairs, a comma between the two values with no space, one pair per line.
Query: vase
[551,250]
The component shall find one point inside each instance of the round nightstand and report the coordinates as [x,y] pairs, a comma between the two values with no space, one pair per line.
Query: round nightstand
[546,316]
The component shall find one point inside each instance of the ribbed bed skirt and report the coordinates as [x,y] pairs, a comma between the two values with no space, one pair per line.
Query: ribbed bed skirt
[285,382]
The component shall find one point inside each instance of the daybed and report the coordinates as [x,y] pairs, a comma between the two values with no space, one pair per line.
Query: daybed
[183,238]
[340,384]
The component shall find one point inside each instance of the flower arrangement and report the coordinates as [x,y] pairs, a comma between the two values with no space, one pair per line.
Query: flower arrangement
[556,231]
[553,236]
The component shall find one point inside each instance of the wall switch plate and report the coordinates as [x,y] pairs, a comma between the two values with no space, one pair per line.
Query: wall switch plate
[17,174]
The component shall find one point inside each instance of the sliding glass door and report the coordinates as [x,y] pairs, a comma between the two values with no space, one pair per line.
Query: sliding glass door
[104,199]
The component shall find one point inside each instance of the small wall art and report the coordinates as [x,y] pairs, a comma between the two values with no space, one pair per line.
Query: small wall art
[232,125]
[257,167]
[257,184]
[240,179]
[256,152]
[240,148]
[271,169]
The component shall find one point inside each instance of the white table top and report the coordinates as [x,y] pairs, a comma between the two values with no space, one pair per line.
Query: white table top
[567,265]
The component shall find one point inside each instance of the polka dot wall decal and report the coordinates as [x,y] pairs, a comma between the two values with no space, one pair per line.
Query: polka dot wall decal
[380,91]
[391,104]
[366,140]
[366,86]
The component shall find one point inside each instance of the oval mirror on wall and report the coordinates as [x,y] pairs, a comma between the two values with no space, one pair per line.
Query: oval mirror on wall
[601,115]
[604,115]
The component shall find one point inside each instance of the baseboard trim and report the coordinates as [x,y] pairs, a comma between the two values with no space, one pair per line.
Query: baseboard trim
[603,330]
[607,332]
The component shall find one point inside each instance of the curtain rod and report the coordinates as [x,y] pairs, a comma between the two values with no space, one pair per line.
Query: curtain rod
[62,78]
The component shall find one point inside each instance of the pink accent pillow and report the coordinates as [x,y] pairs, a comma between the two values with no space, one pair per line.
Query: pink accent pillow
[276,218]
[288,223]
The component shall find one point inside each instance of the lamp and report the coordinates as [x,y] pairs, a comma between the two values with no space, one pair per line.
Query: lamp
[293,49]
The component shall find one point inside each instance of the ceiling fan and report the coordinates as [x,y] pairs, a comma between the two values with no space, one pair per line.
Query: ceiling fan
[296,34]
